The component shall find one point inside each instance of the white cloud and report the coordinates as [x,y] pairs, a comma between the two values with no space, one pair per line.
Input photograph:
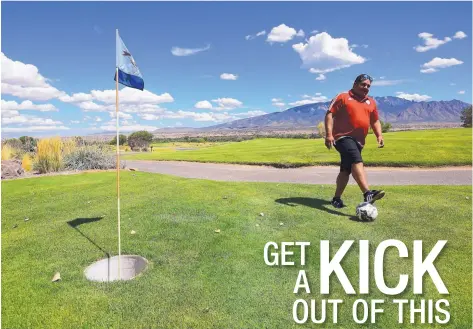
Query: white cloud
[98,119]
[131,96]
[452,84]
[251,37]
[281,33]
[430,42]
[25,81]
[460,35]
[413,97]
[226,103]
[431,70]
[149,117]
[33,128]
[250,114]
[121,115]
[321,77]
[317,99]
[279,104]
[203,105]
[461,92]
[26,105]
[176,51]
[300,33]
[228,76]
[314,31]
[437,62]
[382,82]
[323,54]
[75,121]
[128,128]
[91,106]
[29,119]
[76,98]
[199,116]
[318,94]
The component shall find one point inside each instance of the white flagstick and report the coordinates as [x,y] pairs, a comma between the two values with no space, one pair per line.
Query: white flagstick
[118,184]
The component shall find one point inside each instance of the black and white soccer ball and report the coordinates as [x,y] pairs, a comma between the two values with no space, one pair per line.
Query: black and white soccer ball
[366,211]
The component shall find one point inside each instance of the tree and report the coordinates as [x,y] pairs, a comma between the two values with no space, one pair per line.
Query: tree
[466,117]
[140,139]
[321,129]
[29,143]
[121,140]
[385,126]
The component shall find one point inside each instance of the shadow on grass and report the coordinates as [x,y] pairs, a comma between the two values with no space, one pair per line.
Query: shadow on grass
[314,203]
[79,221]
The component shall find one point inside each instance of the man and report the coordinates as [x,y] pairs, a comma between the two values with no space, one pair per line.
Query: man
[346,125]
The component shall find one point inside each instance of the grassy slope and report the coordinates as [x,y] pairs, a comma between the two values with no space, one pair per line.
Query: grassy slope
[413,148]
[201,279]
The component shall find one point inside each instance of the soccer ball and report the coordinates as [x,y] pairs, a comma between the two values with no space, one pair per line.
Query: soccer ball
[366,211]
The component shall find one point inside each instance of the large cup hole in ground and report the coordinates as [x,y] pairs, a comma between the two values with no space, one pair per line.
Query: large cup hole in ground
[106,270]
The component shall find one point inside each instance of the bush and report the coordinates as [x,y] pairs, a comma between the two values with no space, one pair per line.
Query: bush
[90,157]
[7,152]
[49,155]
[26,162]
[140,139]
[28,143]
[121,140]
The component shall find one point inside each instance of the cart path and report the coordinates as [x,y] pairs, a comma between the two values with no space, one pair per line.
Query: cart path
[305,175]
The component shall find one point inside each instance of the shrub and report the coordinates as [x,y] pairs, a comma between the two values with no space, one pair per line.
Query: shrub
[7,152]
[90,157]
[26,162]
[49,155]
[385,126]
[121,140]
[140,139]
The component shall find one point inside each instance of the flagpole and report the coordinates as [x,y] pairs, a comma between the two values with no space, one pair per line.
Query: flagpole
[118,181]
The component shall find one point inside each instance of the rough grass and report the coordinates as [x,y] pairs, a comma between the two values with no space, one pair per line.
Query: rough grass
[201,279]
[427,148]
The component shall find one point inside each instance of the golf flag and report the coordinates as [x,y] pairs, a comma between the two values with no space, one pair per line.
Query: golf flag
[128,73]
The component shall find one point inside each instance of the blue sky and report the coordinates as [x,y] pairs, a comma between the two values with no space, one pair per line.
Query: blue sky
[241,59]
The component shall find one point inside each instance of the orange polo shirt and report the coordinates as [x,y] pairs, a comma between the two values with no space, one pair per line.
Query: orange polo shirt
[352,116]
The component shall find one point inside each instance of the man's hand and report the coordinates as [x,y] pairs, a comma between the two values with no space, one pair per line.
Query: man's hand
[380,141]
[329,141]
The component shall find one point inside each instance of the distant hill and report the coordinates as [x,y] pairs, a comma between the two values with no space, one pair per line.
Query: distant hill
[391,109]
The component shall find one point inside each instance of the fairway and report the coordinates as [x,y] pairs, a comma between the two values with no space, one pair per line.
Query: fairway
[426,148]
[201,279]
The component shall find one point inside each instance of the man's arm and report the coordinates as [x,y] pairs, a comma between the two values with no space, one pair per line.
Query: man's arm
[328,130]
[378,132]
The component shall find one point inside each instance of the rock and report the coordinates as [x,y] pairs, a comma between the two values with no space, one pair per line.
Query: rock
[132,169]
[261,214]
[217,230]
[11,169]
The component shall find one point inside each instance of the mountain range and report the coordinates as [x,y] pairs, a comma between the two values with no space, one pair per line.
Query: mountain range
[391,109]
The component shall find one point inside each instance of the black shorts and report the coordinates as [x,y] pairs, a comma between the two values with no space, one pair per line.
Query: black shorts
[350,152]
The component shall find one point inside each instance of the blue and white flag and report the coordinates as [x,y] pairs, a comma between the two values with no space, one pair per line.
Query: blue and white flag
[128,73]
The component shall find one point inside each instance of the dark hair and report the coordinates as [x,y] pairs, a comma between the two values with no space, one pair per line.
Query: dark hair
[363,77]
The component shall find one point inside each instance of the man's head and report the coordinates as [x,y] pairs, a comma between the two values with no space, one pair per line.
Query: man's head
[362,84]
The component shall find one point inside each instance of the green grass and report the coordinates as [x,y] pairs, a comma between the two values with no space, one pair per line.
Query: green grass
[427,148]
[201,279]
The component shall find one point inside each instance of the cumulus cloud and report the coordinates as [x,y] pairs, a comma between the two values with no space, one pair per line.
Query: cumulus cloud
[413,97]
[461,92]
[203,105]
[226,103]
[283,33]
[24,81]
[324,54]
[441,63]
[33,129]
[430,42]
[321,77]
[176,51]
[26,105]
[228,76]
[460,35]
